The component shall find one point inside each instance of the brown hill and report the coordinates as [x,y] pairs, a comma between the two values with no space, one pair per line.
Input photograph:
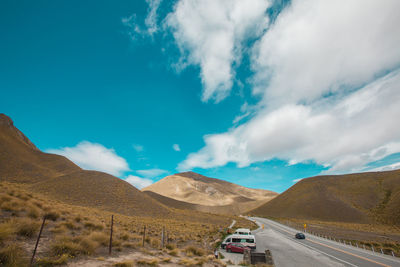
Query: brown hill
[359,198]
[190,190]
[61,179]
[23,162]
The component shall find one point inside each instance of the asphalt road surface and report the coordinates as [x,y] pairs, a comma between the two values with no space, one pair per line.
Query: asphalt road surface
[313,251]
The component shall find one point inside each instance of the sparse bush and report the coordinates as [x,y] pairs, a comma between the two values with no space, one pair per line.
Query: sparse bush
[170,246]
[48,262]
[26,227]
[191,250]
[12,255]
[88,245]
[166,260]
[33,212]
[173,252]
[99,237]
[6,230]
[187,262]
[93,226]
[123,264]
[52,215]
[147,262]
[63,245]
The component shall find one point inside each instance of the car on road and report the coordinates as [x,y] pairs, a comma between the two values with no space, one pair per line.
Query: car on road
[245,240]
[236,247]
[300,236]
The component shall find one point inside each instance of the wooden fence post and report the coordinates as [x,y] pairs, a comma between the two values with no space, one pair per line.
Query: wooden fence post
[144,234]
[111,233]
[162,238]
[37,241]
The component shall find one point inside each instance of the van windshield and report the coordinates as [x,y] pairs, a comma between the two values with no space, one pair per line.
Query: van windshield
[240,240]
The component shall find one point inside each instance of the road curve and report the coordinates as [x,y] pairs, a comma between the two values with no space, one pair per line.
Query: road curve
[313,251]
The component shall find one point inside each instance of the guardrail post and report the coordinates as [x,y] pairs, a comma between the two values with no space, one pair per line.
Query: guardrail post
[381,251]
[392,253]
[372,247]
[363,246]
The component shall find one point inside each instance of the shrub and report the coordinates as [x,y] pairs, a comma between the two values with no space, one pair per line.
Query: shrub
[26,227]
[52,215]
[48,262]
[88,245]
[99,237]
[123,264]
[173,252]
[33,212]
[94,227]
[147,262]
[191,250]
[6,230]
[170,246]
[12,255]
[63,245]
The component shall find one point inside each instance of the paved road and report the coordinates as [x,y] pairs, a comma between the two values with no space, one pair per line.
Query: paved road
[313,251]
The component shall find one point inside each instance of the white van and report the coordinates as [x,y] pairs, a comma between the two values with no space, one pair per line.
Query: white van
[246,240]
[242,231]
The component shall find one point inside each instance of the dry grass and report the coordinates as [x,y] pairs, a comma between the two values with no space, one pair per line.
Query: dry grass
[124,264]
[76,231]
[147,262]
[12,255]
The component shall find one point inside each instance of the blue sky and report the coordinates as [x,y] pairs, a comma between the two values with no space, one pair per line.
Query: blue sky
[257,94]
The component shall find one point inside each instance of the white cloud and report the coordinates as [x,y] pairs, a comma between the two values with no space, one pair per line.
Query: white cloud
[151,25]
[345,133]
[138,148]
[210,34]
[176,147]
[93,156]
[152,172]
[390,167]
[297,180]
[318,47]
[138,182]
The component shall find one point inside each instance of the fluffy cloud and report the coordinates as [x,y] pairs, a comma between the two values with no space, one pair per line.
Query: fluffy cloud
[176,147]
[210,34]
[152,172]
[343,133]
[93,156]
[316,48]
[138,182]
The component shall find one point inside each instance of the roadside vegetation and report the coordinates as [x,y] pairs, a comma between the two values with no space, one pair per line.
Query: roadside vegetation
[72,233]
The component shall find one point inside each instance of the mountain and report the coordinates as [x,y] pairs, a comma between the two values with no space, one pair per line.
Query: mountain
[21,161]
[56,176]
[360,198]
[190,190]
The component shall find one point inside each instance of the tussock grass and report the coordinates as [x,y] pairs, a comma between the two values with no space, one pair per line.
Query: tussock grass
[26,227]
[124,264]
[12,255]
[147,262]
[6,231]
[191,250]
[52,261]
[76,231]
[64,245]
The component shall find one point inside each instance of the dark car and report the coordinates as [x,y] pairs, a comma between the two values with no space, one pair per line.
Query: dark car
[236,247]
[300,236]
